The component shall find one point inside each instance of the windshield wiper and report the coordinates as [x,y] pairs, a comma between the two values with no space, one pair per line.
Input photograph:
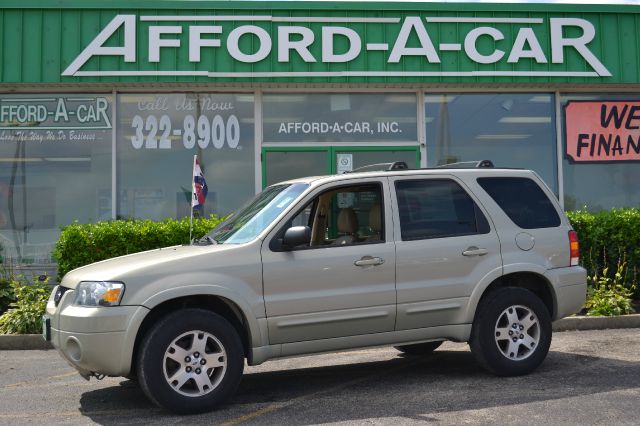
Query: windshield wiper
[204,241]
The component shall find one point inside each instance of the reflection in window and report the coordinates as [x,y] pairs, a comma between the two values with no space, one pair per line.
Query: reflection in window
[157,137]
[511,130]
[55,168]
[600,186]
[340,117]
[245,225]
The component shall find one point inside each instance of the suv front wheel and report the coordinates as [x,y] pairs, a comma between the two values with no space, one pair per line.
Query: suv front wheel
[511,333]
[190,361]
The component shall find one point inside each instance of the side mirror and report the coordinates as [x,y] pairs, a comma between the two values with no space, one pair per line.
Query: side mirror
[295,236]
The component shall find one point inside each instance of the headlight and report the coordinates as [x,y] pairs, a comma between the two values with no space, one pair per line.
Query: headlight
[99,293]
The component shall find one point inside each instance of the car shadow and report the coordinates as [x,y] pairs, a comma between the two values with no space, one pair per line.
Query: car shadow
[401,387]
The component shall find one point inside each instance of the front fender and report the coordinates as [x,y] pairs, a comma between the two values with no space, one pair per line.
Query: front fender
[255,333]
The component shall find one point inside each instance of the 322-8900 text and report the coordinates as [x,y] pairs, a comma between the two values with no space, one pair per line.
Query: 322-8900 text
[215,131]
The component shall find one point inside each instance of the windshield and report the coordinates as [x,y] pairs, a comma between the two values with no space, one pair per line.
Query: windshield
[254,217]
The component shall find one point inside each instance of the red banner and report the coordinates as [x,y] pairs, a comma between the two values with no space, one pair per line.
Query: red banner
[603,131]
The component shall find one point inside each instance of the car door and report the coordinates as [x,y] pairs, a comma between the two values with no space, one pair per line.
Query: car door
[342,281]
[445,246]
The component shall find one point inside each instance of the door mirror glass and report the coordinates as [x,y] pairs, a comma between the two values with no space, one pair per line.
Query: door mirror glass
[296,236]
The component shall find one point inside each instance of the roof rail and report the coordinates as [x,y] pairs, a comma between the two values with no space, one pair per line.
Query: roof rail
[382,167]
[482,164]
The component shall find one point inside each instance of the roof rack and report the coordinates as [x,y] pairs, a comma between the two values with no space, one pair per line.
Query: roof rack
[382,167]
[482,164]
[401,165]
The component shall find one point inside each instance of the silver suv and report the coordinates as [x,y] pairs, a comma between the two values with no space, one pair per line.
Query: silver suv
[407,258]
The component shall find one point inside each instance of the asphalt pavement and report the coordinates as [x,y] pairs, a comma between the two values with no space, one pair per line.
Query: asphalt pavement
[589,377]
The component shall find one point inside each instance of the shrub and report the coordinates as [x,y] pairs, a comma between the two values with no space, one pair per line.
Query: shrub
[606,237]
[7,296]
[25,314]
[609,296]
[81,244]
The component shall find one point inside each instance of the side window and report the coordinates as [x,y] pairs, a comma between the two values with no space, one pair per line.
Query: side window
[436,208]
[522,200]
[342,216]
[304,217]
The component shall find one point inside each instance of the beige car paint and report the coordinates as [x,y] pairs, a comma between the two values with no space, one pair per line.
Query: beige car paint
[311,301]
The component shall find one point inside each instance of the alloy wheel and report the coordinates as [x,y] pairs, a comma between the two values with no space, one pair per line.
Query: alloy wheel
[194,363]
[517,332]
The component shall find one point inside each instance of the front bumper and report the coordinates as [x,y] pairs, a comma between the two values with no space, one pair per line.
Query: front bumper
[96,340]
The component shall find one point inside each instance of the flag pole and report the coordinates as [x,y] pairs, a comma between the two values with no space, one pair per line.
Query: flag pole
[193,187]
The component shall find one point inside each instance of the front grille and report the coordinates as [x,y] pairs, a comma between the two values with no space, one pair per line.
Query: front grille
[59,293]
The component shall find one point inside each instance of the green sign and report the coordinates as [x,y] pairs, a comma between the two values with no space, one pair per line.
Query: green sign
[419,42]
[53,118]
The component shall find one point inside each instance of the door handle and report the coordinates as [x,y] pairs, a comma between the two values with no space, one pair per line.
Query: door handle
[369,261]
[475,251]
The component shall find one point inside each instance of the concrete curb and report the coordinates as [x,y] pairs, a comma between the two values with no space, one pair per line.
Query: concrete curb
[23,342]
[597,323]
[35,341]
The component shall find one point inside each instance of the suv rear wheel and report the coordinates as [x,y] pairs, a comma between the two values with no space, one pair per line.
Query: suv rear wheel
[511,333]
[190,361]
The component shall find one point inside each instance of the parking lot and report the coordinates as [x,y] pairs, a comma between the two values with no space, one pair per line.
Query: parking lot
[589,377]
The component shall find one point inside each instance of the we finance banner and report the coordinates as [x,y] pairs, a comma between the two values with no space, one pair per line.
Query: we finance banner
[602,131]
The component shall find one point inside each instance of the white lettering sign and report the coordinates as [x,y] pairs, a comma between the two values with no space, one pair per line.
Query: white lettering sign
[341,45]
[50,113]
[54,119]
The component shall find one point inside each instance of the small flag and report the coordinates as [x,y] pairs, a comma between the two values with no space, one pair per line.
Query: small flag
[199,188]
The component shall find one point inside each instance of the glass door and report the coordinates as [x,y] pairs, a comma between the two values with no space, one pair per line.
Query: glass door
[280,164]
[284,163]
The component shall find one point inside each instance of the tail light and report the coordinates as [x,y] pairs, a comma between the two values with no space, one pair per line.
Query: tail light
[574,250]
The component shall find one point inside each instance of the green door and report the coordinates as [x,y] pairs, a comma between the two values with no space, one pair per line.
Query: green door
[279,164]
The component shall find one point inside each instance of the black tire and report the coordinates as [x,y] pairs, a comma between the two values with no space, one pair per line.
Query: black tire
[493,332]
[190,330]
[419,349]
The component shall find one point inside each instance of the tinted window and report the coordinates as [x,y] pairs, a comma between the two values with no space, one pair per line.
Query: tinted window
[437,208]
[522,200]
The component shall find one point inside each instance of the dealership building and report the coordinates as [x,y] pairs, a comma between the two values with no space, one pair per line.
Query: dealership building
[103,104]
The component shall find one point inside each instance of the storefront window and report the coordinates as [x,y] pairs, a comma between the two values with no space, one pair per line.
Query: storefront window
[601,151]
[340,117]
[511,130]
[55,168]
[157,137]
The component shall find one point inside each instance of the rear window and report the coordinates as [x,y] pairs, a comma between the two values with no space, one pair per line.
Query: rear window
[522,200]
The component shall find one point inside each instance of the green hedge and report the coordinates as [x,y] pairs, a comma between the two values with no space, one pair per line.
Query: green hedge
[81,244]
[605,238]
[609,237]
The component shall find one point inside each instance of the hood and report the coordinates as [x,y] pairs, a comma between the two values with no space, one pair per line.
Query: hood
[119,268]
